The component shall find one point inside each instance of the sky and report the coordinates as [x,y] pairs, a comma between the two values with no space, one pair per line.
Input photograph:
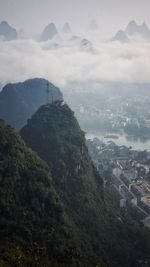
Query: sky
[33,15]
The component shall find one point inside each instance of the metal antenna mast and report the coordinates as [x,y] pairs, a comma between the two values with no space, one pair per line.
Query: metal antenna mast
[52,96]
[48,93]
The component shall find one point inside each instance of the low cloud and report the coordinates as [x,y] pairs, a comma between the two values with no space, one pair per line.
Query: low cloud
[24,59]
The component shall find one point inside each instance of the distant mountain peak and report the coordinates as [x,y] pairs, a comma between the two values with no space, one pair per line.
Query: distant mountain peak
[134,29]
[8,32]
[132,23]
[144,24]
[131,28]
[86,45]
[49,32]
[121,36]
[66,28]
[4,22]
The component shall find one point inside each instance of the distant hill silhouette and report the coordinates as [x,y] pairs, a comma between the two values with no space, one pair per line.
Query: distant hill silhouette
[49,32]
[19,101]
[133,30]
[121,36]
[7,33]
[66,28]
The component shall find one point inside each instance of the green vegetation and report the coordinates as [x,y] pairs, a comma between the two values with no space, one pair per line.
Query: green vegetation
[34,228]
[53,210]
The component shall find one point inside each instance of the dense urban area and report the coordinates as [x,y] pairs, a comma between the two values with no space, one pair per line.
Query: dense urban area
[127,176]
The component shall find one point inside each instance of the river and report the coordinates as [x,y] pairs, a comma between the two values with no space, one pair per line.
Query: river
[135,143]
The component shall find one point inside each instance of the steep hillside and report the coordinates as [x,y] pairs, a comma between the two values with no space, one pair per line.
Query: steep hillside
[108,238]
[19,101]
[34,228]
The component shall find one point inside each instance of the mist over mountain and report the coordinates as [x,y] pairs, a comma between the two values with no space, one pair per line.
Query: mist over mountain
[66,61]
[49,32]
[7,33]
[20,100]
